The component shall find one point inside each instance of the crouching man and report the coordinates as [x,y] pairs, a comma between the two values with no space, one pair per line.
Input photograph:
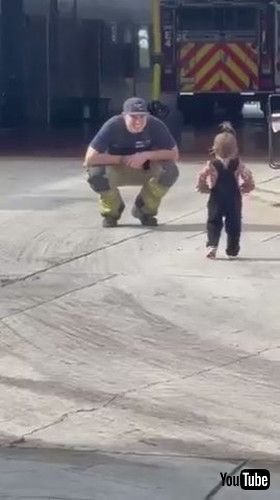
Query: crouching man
[133,148]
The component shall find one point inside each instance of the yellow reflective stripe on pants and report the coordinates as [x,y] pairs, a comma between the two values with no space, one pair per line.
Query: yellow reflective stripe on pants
[152,193]
[110,203]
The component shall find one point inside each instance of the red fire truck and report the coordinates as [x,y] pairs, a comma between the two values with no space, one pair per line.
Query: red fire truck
[218,52]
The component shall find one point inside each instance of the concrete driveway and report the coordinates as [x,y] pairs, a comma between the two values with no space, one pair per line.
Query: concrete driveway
[128,341]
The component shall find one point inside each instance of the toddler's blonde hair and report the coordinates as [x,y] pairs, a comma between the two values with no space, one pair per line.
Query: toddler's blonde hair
[225,143]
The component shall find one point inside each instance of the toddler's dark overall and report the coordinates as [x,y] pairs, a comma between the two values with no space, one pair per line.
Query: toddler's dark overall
[225,202]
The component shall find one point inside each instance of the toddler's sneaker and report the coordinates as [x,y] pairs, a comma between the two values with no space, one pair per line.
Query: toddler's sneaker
[211,252]
[232,252]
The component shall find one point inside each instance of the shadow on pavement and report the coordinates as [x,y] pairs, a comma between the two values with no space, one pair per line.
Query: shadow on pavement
[258,228]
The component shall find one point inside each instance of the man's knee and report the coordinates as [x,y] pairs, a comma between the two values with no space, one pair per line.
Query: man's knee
[169,174]
[97,179]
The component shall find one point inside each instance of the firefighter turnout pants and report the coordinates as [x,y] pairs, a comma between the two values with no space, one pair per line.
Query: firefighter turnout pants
[155,182]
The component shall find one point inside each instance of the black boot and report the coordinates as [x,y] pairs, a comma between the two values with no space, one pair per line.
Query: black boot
[109,221]
[148,220]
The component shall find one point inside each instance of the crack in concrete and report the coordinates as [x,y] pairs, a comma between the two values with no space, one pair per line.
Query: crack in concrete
[212,493]
[11,281]
[268,191]
[122,395]
[200,372]
[57,297]
[273,237]
[59,420]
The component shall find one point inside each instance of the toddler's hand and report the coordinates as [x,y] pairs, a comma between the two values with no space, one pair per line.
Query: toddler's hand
[203,189]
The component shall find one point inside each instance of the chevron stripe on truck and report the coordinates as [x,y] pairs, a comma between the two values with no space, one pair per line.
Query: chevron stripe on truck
[219,67]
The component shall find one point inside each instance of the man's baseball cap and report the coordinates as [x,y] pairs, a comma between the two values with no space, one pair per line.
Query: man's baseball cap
[135,106]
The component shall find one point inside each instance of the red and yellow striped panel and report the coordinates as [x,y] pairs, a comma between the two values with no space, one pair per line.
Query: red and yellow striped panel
[224,67]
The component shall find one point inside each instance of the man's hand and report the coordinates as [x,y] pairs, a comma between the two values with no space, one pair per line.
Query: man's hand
[136,161]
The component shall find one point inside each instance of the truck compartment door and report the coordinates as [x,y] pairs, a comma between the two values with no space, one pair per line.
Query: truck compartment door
[199,67]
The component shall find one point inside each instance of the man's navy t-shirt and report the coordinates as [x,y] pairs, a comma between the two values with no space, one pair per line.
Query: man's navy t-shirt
[114,138]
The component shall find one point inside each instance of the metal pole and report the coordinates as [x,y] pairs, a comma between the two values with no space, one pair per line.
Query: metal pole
[156,49]
[48,69]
